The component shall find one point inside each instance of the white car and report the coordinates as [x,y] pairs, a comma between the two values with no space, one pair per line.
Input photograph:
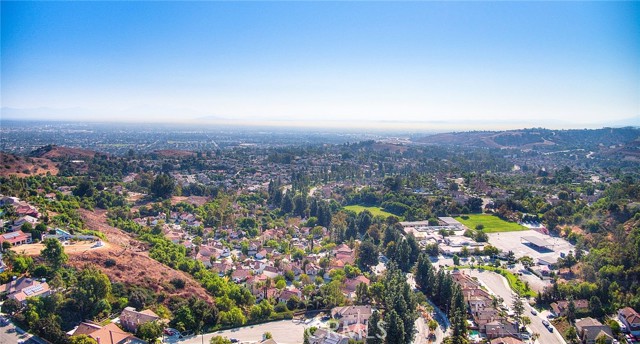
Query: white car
[534,312]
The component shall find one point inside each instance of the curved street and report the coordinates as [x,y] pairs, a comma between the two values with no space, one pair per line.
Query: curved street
[499,286]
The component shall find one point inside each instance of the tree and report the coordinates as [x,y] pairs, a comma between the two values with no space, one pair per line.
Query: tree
[11,306]
[425,275]
[518,308]
[375,329]
[92,287]
[474,204]
[572,335]
[53,253]
[267,335]
[363,296]
[82,339]
[596,306]
[84,189]
[149,331]
[571,311]
[456,259]
[368,255]
[220,340]
[395,328]
[162,186]
[433,325]
[602,339]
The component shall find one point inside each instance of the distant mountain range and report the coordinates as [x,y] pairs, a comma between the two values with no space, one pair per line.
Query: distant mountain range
[540,139]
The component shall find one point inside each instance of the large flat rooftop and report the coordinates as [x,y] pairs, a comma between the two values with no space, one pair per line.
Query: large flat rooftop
[520,243]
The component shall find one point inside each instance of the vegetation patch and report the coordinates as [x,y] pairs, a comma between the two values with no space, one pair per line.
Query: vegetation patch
[490,223]
[515,283]
[375,211]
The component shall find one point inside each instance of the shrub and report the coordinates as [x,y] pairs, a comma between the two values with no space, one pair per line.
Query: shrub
[178,283]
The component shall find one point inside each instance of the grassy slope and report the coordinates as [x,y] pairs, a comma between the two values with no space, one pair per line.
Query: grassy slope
[374,210]
[492,224]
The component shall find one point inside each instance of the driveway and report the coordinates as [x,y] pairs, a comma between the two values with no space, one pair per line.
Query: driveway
[498,285]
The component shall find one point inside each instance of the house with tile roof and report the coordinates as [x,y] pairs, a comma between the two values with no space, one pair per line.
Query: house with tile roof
[109,334]
[631,319]
[590,329]
[130,319]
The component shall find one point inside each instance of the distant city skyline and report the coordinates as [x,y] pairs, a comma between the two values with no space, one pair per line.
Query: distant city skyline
[463,65]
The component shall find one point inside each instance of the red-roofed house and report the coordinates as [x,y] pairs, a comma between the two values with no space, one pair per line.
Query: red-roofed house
[631,319]
[16,238]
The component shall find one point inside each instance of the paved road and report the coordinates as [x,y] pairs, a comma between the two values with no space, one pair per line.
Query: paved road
[9,334]
[422,328]
[284,332]
[499,286]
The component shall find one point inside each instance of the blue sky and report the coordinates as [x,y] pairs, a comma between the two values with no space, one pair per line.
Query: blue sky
[544,63]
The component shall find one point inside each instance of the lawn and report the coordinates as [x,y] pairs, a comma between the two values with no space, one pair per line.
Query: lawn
[492,224]
[375,211]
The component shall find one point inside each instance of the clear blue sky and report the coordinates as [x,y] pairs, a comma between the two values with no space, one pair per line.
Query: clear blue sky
[574,62]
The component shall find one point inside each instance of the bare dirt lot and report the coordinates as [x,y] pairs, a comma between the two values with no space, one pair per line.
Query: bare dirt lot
[197,200]
[71,249]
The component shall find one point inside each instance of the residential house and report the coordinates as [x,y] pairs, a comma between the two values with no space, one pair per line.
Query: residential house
[590,329]
[270,272]
[25,219]
[222,268]
[351,284]
[38,289]
[326,336]
[287,294]
[500,328]
[506,340]
[342,249]
[23,288]
[312,269]
[130,319]
[109,334]
[350,315]
[16,238]
[240,275]
[267,341]
[631,319]
[560,308]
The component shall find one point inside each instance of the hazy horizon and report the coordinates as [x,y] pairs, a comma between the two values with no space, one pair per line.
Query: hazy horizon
[484,65]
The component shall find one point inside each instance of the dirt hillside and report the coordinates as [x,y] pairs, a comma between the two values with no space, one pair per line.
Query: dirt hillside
[23,167]
[133,265]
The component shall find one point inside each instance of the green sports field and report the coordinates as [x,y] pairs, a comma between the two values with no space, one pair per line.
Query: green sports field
[375,211]
[492,224]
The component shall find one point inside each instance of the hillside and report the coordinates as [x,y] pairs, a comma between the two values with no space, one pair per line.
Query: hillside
[24,167]
[538,139]
[57,152]
[133,265]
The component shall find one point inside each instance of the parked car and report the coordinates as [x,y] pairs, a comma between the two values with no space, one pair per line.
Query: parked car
[534,312]
[234,340]
[545,323]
